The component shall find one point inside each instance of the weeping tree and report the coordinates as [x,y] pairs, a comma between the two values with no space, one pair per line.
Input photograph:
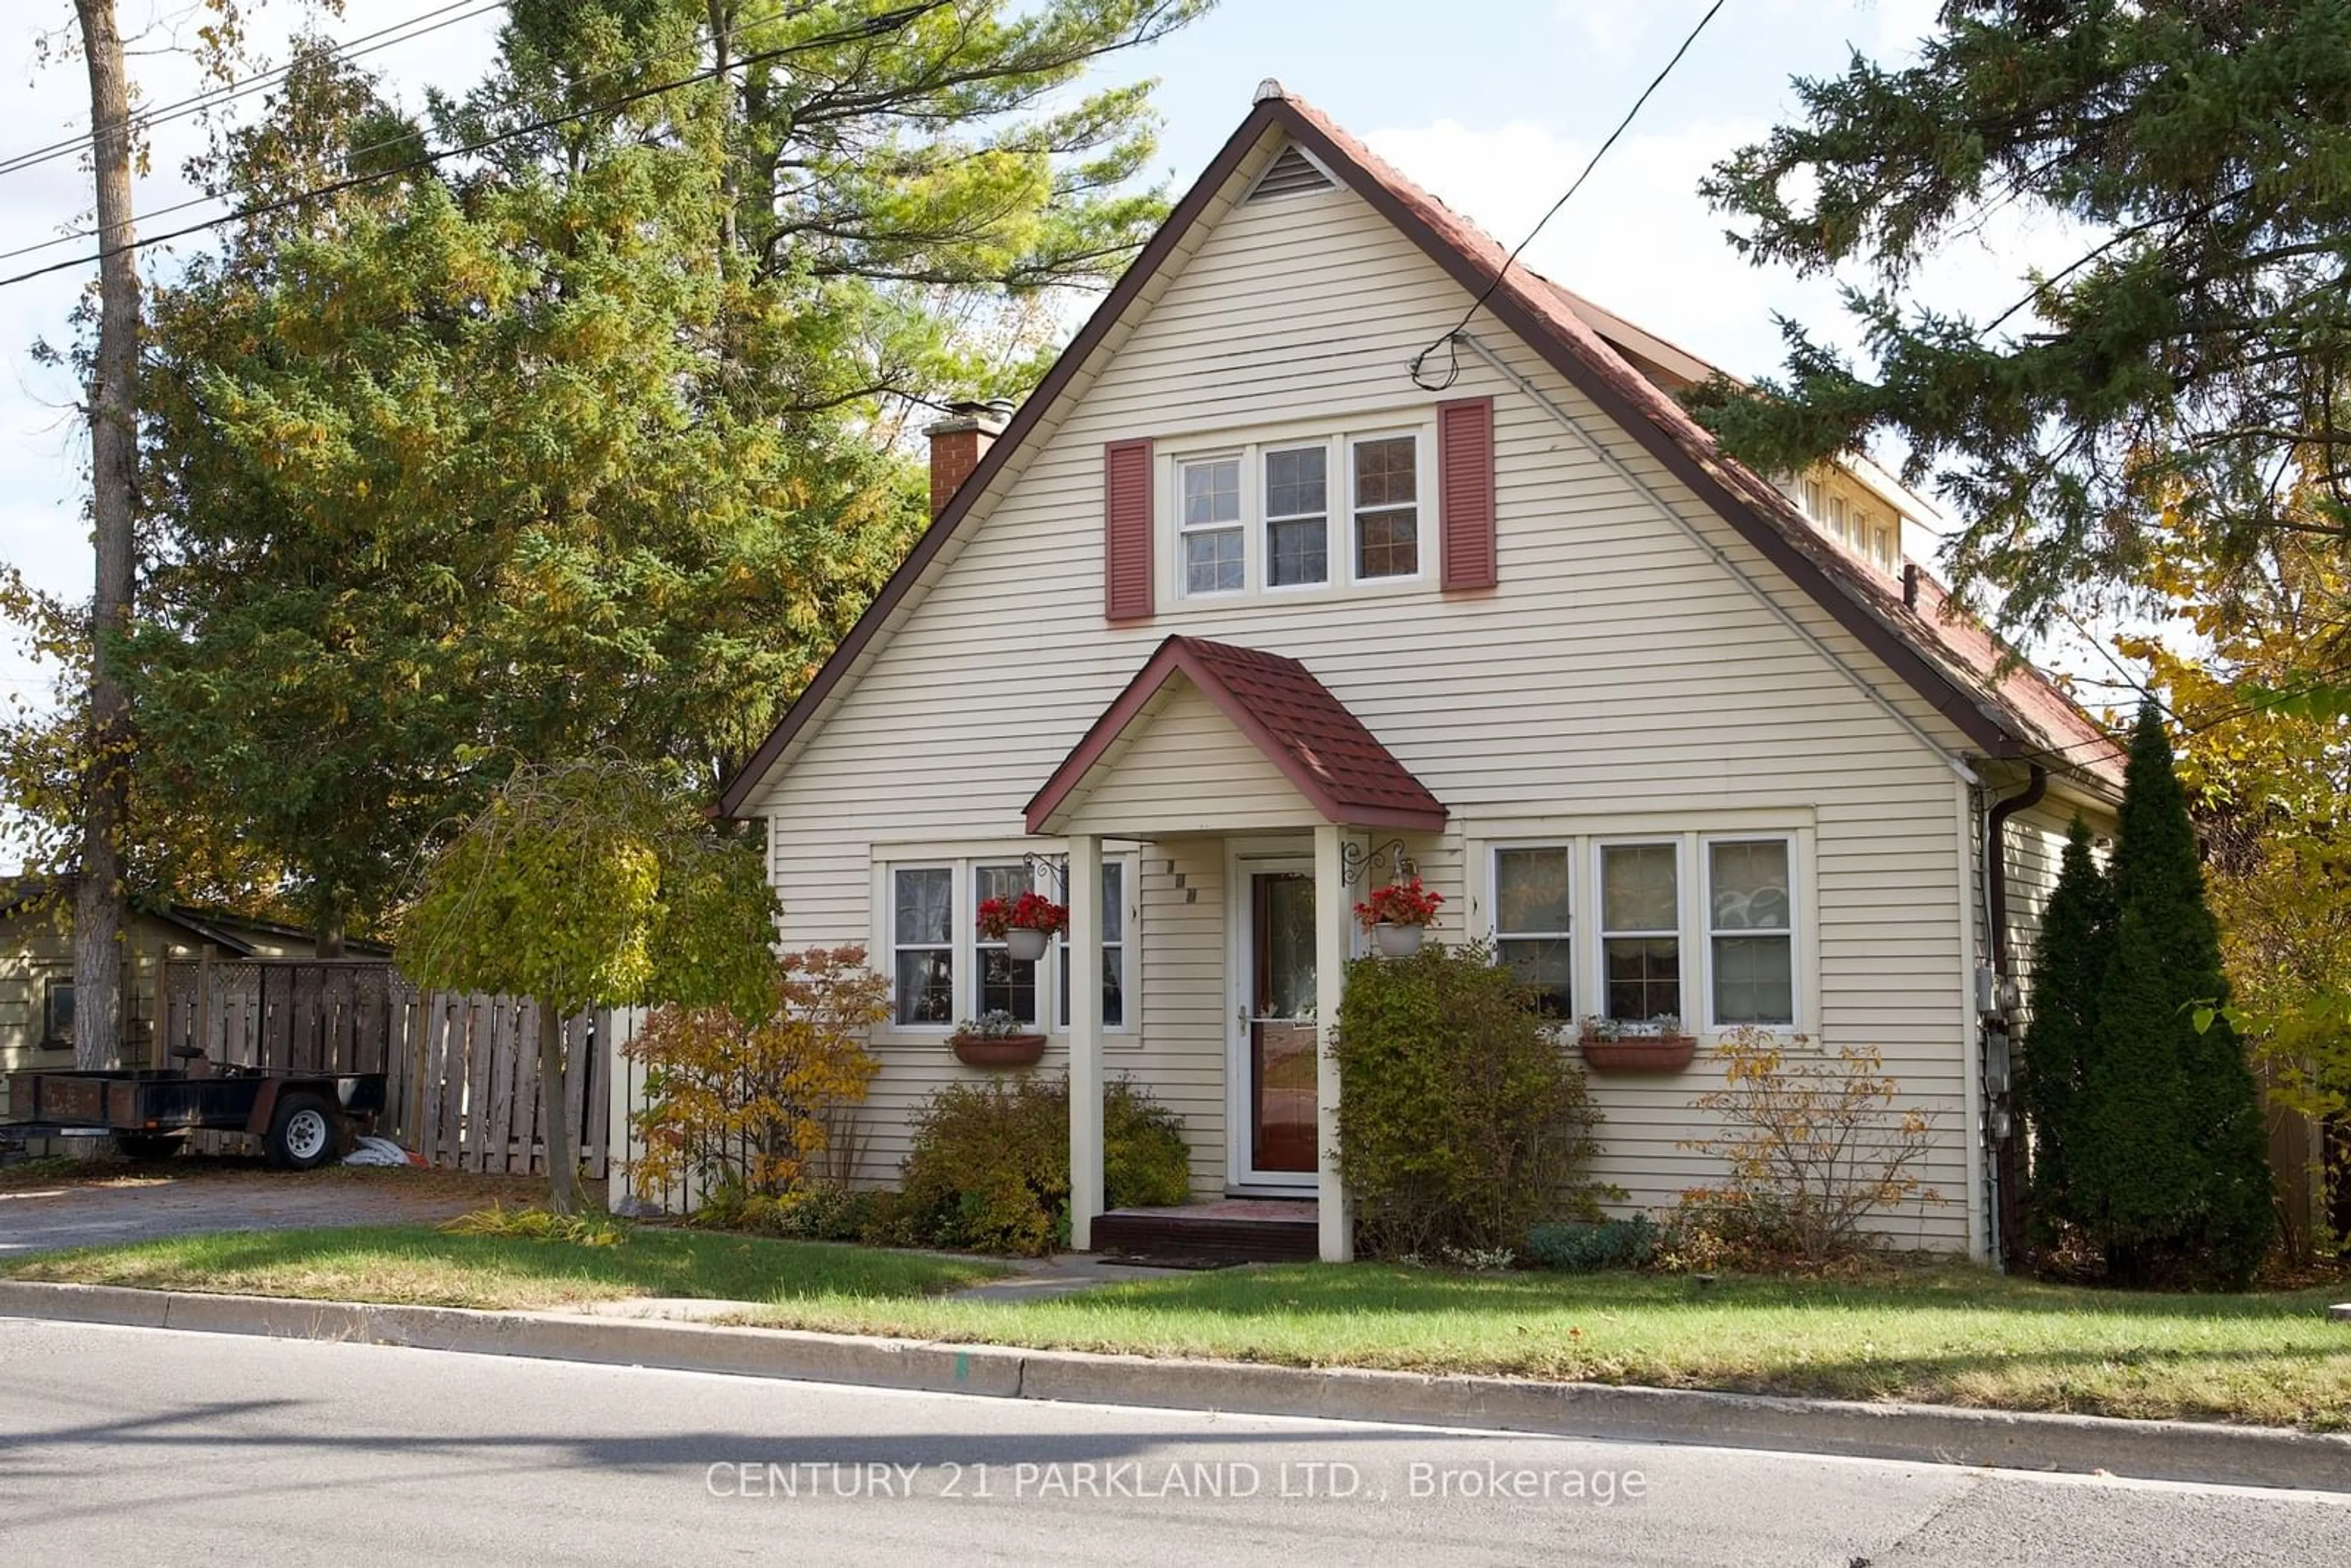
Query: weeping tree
[592,883]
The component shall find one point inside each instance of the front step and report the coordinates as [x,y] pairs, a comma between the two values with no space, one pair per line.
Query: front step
[1225,1230]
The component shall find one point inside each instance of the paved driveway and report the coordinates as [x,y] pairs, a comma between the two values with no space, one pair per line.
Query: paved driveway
[183,1197]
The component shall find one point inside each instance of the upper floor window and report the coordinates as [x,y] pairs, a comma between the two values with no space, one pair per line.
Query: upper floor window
[1317,511]
[1211,521]
[1297,515]
[1387,506]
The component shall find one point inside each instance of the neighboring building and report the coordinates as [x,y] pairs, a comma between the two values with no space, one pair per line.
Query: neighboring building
[37,983]
[1235,609]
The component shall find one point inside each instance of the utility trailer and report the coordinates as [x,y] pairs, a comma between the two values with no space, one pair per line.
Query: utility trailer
[299,1116]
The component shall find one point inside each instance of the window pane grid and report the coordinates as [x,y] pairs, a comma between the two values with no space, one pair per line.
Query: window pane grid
[1532,925]
[1214,551]
[1388,513]
[1640,931]
[1751,925]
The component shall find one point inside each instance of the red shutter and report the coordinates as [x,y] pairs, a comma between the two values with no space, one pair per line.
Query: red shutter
[1126,531]
[1465,492]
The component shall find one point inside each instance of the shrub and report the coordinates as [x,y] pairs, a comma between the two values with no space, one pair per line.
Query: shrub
[1463,1120]
[1587,1247]
[812,1211]
[989,1170]
[740,1107]
[1815,1147]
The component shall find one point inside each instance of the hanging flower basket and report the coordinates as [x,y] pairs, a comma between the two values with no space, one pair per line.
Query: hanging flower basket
[997,1040]
[1399,915]
[1025,925]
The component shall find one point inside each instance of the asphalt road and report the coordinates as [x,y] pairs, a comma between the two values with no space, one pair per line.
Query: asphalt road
[142,1446]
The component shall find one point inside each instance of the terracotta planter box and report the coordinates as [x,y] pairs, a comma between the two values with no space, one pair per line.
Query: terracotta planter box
[1639,1053]
[1004,1050]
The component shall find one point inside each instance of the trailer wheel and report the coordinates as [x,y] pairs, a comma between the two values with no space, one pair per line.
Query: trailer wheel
[150,1146]
[302,1133]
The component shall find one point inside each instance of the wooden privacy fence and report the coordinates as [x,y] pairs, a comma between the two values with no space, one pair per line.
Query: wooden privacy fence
[463,1085]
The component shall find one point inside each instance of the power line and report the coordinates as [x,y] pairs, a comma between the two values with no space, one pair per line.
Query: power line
[244,86]
[1447,342]
[798,7]
[872,26]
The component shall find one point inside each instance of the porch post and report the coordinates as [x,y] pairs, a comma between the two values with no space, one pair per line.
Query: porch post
[1085,1039]
[1335,1220]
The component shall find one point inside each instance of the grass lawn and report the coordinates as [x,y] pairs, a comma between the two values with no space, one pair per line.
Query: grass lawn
[1948,1335]
[1952,1336]
[420,1265]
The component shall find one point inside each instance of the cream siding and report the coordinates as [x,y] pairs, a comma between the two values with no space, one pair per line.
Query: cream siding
[1617,668]
[1183,767]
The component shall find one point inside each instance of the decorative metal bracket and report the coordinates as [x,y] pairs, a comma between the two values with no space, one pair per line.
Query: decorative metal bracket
[1037,862]
[1353,861]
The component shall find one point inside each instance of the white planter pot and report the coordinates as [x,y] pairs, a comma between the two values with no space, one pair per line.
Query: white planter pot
[1025,944]
[1397,941]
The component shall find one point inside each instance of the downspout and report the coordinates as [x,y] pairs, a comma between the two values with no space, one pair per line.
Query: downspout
[2003,1162]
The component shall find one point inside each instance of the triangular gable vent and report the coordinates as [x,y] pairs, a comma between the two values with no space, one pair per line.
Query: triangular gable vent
[1291,175]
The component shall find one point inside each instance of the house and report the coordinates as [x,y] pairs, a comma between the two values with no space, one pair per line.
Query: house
[36,983]
[1237,616]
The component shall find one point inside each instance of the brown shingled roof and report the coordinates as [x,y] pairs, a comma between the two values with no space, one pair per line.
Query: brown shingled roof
[1340,766]
[2004,708]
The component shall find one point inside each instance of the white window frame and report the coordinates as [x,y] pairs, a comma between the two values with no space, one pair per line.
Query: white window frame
[980,947]
[1602,932]
[1242,459]
[1130,908]
[1422,534]
[957,977]
[1566,850]
[1267,518]
[1791,844]
[966,945]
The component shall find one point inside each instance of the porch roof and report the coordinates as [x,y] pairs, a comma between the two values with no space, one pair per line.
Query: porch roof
[1337,764]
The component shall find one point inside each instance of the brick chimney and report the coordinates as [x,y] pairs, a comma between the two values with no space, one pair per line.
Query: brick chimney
[957,443]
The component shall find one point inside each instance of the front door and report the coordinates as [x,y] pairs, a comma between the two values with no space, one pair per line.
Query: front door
[1279,1013]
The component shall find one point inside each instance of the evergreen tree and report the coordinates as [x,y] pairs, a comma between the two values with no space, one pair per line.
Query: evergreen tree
[2069,970]
[2170,1176]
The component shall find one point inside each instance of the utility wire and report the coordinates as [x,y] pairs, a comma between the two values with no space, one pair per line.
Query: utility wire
[872,26]
[1449,340]
[797,7]
[260,81]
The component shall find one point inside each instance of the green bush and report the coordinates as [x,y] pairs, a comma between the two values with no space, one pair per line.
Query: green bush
[812,1211]
[1463,1119]
[989,1170]
[1586,1247]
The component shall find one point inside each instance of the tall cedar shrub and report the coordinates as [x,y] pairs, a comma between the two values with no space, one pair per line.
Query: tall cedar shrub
[1465,1122]
[2069,970]
[2170,1178]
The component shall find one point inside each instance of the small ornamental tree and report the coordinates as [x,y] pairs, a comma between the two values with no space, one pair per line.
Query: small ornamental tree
[2069,970]
[741,1106]
[2169,1174]
[585,885]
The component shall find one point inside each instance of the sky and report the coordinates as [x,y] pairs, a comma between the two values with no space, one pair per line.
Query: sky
[1494,112]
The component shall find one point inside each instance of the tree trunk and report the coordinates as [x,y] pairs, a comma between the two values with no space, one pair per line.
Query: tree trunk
[99,894]
[563,1162]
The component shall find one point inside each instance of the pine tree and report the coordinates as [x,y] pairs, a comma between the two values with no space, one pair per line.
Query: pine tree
[2069,970]
[2170,1178]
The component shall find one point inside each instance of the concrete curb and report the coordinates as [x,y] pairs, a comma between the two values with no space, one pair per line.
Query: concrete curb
[2157,1450]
